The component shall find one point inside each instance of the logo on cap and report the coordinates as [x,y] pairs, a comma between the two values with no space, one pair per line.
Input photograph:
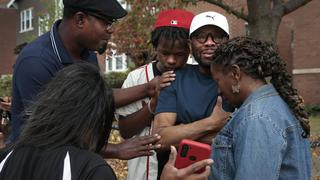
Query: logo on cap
[212,17]
[174,22]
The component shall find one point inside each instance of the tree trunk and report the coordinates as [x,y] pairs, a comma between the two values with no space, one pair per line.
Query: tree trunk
[262,24]
[264,16]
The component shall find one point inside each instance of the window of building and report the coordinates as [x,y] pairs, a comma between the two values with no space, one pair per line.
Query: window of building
[26,20]
[116,63]
[109,64]
[119,62]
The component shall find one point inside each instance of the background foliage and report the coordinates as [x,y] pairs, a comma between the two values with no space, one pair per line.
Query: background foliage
[314,110]
[5,85]
[114,80]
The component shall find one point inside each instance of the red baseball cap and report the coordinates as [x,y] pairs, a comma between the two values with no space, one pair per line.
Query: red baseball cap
[174,18]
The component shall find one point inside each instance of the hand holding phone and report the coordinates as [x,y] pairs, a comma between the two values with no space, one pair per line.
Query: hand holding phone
[170,172]
[190,152]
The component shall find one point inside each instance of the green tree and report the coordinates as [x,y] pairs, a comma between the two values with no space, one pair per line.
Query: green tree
[51,12]
[263,16]
[5,85]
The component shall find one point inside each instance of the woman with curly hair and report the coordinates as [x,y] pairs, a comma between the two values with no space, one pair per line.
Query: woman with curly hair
[266,137]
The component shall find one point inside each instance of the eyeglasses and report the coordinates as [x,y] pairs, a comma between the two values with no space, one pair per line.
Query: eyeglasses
[107,22]
[203,37]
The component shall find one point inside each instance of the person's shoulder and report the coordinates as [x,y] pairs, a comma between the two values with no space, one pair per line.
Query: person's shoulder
[84,163]
[95,165]
[37,50]
[140,71]
[82,156]
[36,47]
[186,69]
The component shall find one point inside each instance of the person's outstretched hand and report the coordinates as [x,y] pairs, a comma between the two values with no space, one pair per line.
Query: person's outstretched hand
[5,104]
[172,173]
[132,148]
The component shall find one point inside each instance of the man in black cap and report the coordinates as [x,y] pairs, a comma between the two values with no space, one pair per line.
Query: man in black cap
[86,25]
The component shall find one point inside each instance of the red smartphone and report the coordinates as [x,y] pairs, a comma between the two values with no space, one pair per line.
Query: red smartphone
[190,152]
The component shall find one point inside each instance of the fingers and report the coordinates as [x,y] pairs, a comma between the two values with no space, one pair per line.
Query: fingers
[146,150]
[202,176]
[167,78]
[5,105]
[219,102]
[169,75]
[150,147]
[172,157]
[200,164]
[147,140]
[196,166]
[145,144]
[218,107]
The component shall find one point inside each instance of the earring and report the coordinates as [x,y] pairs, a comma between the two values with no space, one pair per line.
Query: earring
[236,89]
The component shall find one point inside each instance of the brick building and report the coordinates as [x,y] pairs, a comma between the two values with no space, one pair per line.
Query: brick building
[20,24]
[24,25]
[8,19]
[305,26]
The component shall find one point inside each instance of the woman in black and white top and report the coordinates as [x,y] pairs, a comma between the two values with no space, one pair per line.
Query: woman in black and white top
[69,122]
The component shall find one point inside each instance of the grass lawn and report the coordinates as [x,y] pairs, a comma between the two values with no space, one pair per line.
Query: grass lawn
[315,125]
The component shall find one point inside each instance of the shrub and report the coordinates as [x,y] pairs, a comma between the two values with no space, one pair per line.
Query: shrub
[116,79]
[314,110]
[5,85]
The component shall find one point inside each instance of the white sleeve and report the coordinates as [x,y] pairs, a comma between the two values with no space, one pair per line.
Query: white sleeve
[134,78]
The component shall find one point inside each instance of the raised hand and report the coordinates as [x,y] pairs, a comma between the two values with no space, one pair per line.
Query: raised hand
[166,78]
[159,82]
[132,148]
[189,173]
[218,116]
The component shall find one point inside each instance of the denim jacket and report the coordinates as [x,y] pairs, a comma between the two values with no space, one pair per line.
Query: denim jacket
[261,141]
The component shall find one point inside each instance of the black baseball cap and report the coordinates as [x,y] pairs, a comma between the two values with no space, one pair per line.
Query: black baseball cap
[110,9]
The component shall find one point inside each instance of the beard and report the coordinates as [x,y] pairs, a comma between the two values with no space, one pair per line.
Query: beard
[199,60]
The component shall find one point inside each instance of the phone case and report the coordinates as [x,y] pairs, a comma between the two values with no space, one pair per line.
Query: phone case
[190,152]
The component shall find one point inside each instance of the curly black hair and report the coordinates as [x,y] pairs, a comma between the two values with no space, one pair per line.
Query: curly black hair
[169,33]
[261,60]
